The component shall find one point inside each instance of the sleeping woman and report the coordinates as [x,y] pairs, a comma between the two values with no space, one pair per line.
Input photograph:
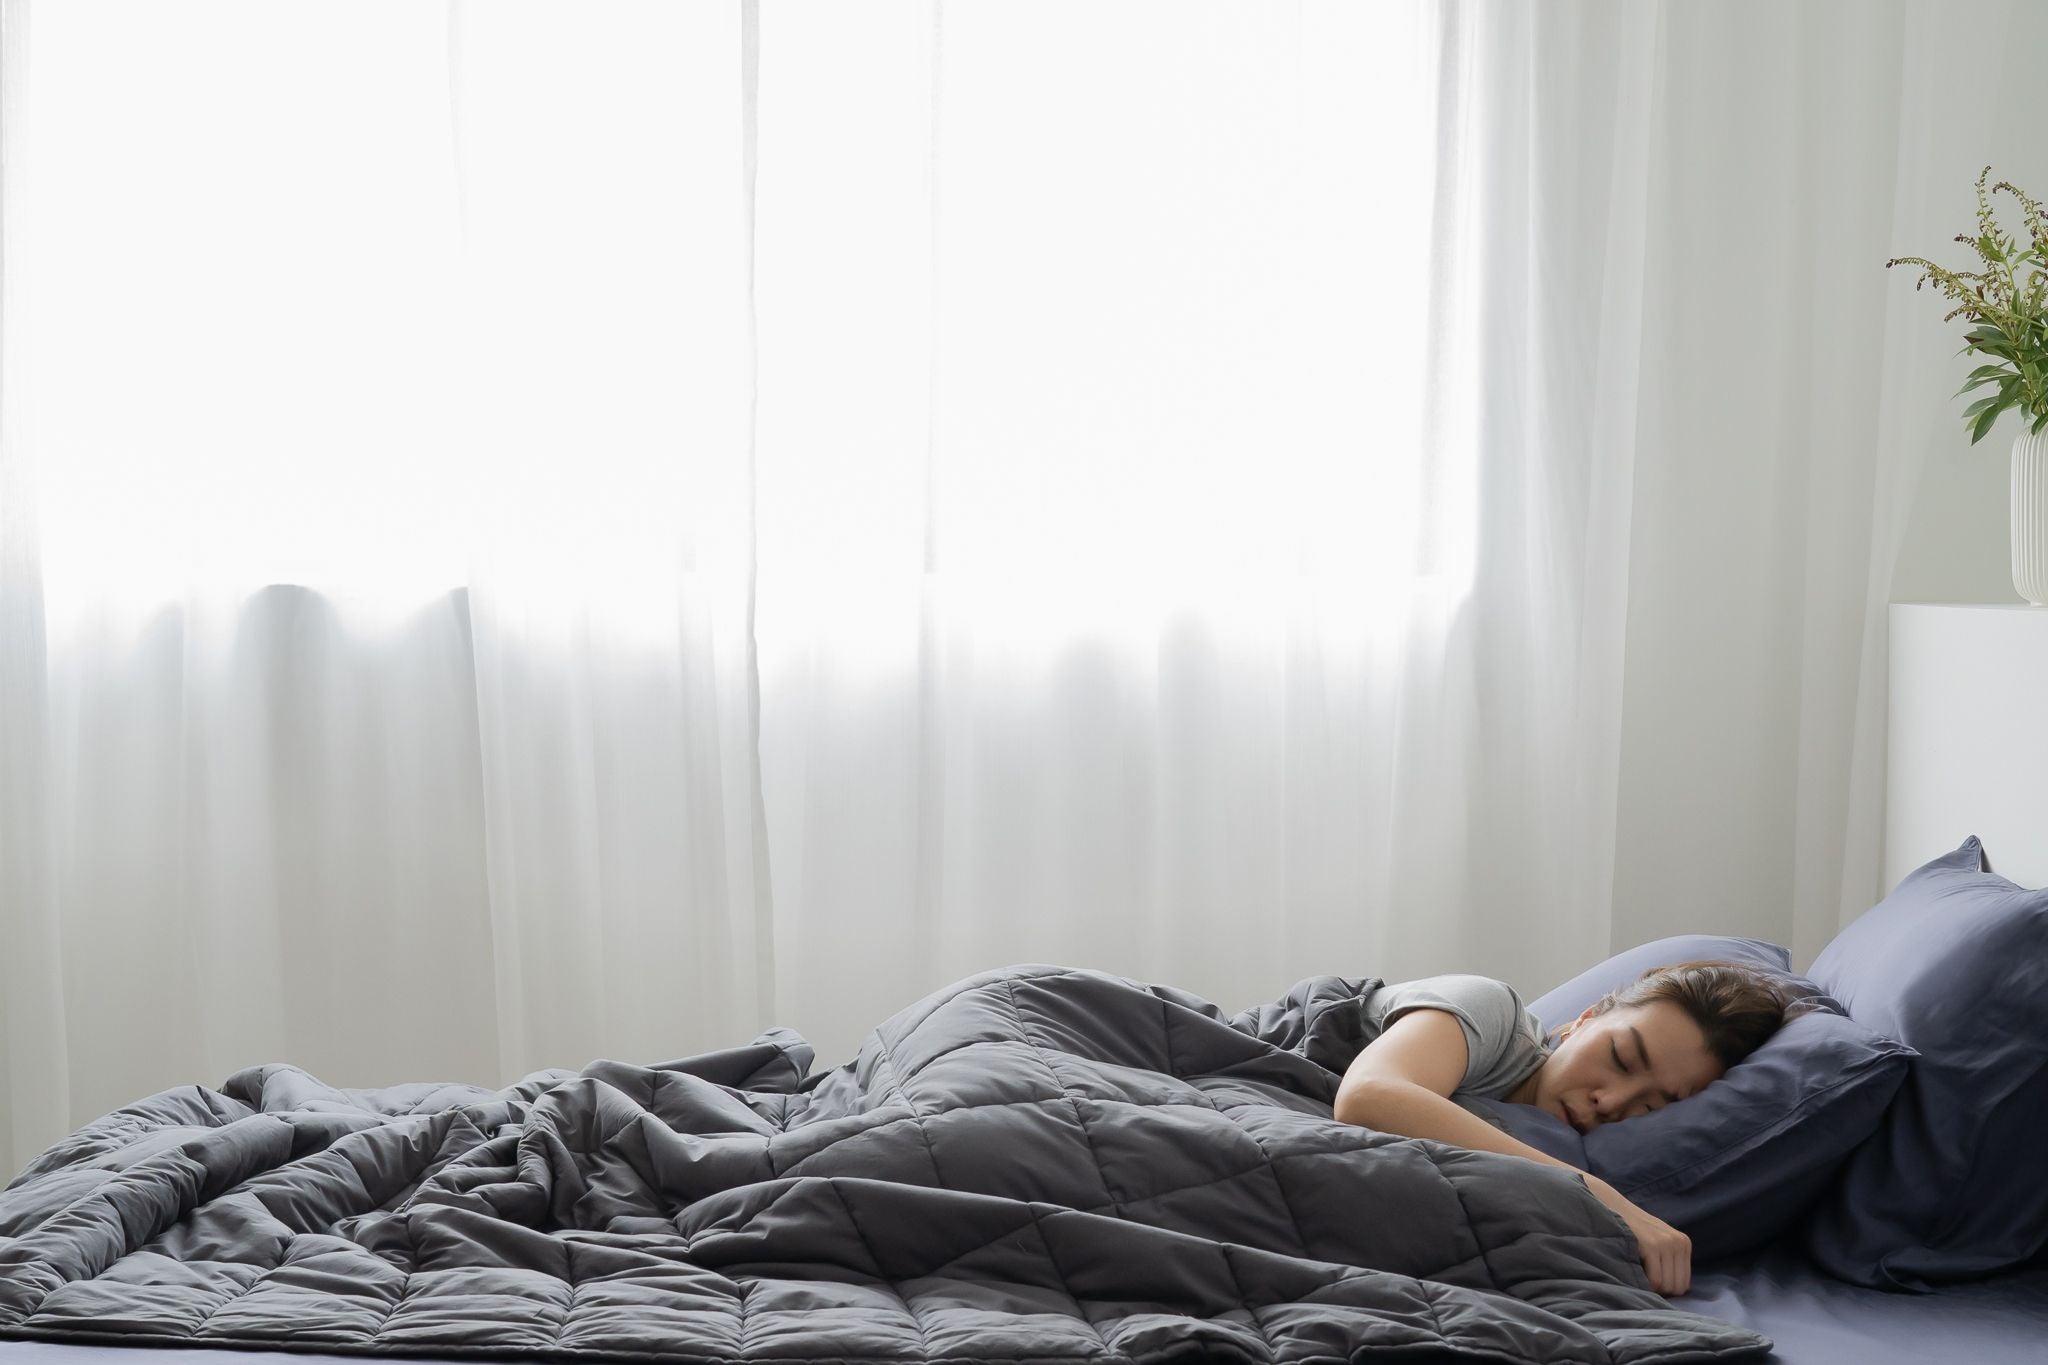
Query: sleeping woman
[1663,1037]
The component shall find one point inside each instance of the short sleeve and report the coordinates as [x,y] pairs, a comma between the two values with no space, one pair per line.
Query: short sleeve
[1489,1011]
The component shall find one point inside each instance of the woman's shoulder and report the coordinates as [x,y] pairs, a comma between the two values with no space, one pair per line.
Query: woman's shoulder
[1455,985]
[1485,1004]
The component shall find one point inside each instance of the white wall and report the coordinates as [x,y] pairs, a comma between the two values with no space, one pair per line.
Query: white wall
[1956,546]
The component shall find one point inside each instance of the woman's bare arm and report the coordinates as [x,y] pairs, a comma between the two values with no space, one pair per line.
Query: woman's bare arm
[1402,1081]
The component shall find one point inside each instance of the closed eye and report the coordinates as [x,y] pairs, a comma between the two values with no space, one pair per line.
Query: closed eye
[1619,1064]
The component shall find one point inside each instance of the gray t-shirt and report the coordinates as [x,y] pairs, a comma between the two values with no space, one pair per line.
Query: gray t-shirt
[1503,1040]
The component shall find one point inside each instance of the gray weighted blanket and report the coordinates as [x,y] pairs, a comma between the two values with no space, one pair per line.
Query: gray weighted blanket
[1032,1164]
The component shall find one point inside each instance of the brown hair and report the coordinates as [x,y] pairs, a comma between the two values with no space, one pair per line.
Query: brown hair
[1737,1006]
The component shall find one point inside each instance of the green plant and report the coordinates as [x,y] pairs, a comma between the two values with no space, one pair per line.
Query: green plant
[2009,313]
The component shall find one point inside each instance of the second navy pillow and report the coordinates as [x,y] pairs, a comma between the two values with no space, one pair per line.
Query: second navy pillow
[1955,962]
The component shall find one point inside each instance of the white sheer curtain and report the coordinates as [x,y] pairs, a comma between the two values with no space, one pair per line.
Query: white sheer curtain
[668,519]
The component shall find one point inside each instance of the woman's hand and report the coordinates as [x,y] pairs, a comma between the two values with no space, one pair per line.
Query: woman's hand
[1666,1252]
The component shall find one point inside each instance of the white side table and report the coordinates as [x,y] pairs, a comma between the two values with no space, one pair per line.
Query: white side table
[1968,737]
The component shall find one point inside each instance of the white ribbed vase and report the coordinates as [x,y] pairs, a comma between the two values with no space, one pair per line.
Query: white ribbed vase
[2030,517]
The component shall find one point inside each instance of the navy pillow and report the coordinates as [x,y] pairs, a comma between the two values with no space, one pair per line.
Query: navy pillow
[1738,1163]
[1567,1002]
[1951,1186]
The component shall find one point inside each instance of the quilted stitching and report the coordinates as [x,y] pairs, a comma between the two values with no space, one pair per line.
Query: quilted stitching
[1080,1309]
[923,1339]
[1023,1028]
[916,1115]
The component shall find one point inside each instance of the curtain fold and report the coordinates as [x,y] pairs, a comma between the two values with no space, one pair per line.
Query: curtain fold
[606,169]
[1542,203]
[35,1072]
[689,518]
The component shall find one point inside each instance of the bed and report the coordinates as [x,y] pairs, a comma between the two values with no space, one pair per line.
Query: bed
[1034,1163]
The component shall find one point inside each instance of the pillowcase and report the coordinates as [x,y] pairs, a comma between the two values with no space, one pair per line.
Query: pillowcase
[1950,1187]
[1738,1163]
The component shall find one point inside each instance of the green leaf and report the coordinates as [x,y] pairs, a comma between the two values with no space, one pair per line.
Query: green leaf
[1987,332]
[2041,421]
[1990,404]
[1984,421]
[1982,375]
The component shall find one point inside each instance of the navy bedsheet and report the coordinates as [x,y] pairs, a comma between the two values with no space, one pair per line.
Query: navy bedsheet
[1815,1319]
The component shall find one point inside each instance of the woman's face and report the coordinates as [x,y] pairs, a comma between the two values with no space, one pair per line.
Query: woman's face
[1629,1061]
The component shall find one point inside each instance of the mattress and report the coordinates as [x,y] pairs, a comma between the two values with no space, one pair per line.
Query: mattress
[1813,1319]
